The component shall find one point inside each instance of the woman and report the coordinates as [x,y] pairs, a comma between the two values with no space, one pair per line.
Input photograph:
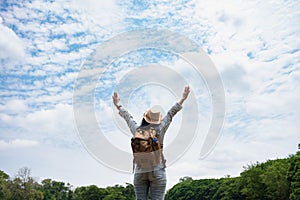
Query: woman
[155,180]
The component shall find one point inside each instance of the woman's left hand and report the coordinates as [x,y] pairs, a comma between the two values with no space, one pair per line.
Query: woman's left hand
[116,99]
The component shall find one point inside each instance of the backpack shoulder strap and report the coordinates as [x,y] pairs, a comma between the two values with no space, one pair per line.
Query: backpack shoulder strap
[142,134]
[153,132]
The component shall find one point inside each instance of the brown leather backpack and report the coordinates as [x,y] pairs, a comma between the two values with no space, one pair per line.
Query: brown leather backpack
[147,150]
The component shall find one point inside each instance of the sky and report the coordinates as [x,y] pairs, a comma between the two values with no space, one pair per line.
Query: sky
[44,45]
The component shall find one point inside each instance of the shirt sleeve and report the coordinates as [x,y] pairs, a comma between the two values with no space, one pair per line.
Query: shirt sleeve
[129,120]
[164,125]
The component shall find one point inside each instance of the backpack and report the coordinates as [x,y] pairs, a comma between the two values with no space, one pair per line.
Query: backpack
[147,150]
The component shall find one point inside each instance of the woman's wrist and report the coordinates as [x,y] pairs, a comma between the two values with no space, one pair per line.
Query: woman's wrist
[181,101]
[118,106]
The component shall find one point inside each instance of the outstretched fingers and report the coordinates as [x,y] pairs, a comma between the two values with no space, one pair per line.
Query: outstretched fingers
[186,92]
[187,89]
[115,95]
[116,98]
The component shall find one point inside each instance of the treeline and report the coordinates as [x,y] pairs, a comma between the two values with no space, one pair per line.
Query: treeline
[272,180]
[24,187]
[275,179]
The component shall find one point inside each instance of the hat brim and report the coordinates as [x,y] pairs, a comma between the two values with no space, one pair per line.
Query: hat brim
[150,121]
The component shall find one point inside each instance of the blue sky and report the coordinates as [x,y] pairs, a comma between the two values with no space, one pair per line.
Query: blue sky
[43,45]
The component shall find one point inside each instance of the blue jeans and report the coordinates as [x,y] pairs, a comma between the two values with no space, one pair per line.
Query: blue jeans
[155,181]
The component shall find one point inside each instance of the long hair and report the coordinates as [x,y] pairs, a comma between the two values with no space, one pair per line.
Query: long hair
[144,123]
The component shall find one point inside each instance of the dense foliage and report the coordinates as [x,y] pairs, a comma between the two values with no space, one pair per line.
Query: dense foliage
[272,180]
[275,179]
[24,187]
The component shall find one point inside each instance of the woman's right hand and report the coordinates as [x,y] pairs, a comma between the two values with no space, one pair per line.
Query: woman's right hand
[185,94]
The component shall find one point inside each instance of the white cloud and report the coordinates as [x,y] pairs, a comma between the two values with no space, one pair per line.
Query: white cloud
[54,126]
[98,13]
[17,143]
[11,45]
[50,120]
[14,106]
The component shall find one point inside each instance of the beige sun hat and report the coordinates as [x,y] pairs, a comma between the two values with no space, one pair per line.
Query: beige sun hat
[153,116]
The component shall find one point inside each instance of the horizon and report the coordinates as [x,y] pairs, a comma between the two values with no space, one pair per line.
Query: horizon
[39,180]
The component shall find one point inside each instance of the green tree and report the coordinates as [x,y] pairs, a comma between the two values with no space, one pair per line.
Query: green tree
[128,192]
[24,187]
[4,192]
[120,192]
[189,189]
[274,178]
[55,190]
[293,176]
[251,182]
[114,196]
[229,189]
[91,192]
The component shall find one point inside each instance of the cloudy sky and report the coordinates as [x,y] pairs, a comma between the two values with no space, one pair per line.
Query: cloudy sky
[44,45]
